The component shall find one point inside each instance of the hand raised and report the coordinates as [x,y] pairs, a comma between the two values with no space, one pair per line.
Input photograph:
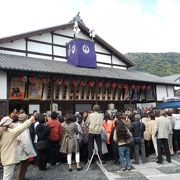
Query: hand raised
[32,118]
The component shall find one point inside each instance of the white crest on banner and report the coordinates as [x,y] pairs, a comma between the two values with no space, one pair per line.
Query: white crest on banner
[76,29]
[73,49]
[69,50]
[92,33]
[85,49]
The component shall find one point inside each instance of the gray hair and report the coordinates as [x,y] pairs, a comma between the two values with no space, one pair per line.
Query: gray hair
[96,107]
[137,117]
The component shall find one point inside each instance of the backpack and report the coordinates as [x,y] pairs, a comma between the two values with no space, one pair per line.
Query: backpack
[85,130]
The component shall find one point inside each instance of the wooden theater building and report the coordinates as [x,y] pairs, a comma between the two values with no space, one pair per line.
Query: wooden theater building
[52,68]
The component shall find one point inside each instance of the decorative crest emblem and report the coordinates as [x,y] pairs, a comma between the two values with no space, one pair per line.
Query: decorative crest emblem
[85,49]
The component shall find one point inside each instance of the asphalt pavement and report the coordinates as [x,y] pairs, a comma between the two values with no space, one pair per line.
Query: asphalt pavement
[109,171]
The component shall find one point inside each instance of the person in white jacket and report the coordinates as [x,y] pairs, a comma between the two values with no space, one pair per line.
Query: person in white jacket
[152,133]
[25,147]
[176,133]
[9,145]
[162,130]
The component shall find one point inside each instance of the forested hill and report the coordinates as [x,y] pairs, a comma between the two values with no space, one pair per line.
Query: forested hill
[160,64]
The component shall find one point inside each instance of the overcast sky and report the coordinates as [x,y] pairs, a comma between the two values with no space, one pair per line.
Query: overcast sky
[128,25]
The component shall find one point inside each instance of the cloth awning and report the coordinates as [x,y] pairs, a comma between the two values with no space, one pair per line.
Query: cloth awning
[171,104]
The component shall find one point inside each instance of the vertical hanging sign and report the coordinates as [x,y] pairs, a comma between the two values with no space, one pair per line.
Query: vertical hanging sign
[81,53]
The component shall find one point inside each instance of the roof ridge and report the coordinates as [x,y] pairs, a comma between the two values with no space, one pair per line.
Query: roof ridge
[32,31]
[77,18]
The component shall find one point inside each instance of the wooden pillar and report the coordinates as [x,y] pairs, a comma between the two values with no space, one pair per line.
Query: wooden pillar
[8,90]
[26,46]
[52,92]
[96,91]
[52,41]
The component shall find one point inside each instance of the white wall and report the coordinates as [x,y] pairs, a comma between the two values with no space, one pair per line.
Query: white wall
[164,92]
[39,56]
[3,85]
[70,32]
[67,31]
[170,90]
[11,52]
[161,92]
[83,36]
[19,44]
[60,59]
[119,67]
[146,105]
[41,48]
[103,58]
[117,61]
[59,51]
[44,37]
[99,48]
[61,40]
[103,65]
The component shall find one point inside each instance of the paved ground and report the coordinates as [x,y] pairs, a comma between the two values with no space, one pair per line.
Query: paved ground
[60,172]
[151,170]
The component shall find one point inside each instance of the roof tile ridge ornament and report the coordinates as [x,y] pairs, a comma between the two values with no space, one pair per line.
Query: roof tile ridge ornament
[92,34]
[76,29]
[77,18]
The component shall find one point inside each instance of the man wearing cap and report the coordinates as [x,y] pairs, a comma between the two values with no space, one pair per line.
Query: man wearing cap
[9,145]
[94,122]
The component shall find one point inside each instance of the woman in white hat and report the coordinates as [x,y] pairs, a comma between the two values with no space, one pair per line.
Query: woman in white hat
[25,147]
[8,145]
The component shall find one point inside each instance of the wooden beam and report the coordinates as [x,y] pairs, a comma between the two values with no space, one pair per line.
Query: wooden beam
[97,52]
[62,35]
[31,52]
[47,43]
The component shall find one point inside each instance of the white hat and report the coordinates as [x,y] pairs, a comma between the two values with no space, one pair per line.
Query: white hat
[5,121]
[77,114]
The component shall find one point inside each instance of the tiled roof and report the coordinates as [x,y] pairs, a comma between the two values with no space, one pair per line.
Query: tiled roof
[173,77]
[29,64]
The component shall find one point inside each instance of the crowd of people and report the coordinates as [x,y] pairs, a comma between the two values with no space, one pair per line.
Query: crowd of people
[122,138]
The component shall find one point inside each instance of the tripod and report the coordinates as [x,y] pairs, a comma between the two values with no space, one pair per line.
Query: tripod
[95,152]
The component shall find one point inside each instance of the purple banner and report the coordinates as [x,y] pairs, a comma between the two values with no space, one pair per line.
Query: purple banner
[81,53]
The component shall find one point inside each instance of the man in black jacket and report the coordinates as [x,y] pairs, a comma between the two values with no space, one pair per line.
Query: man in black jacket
[137,129]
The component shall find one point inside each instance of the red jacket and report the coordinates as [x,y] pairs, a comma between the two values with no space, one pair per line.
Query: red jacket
[108,126]
[55,129]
